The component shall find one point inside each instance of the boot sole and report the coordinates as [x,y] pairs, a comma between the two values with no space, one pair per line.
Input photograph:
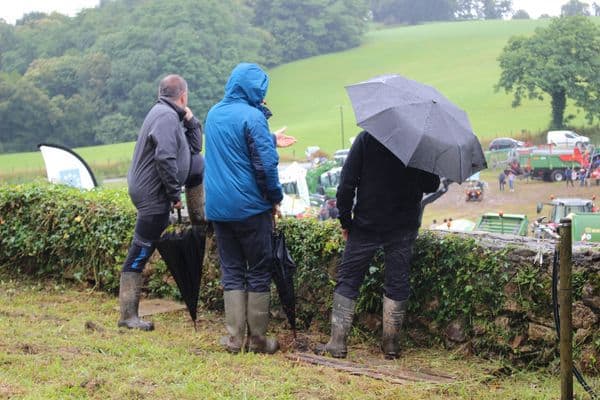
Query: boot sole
[322,351]
[145,329]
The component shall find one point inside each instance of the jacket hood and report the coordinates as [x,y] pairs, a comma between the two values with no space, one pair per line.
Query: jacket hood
[248,82]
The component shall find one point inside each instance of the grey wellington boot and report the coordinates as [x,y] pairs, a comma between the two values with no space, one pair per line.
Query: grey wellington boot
[342,314]
[129,300]
[194,198]
[258,320]
[393,318]
[235,320]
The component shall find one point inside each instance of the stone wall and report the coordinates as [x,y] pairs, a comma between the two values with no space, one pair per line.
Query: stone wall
[524,329]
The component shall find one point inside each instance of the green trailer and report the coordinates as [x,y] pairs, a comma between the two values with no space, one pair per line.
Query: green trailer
[586,227]
[548,165]
[515,224]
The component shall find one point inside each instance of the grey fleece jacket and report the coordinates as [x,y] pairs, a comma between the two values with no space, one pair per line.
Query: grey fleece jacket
[161,158]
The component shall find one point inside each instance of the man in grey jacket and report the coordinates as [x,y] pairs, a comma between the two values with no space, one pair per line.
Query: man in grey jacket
[166,157]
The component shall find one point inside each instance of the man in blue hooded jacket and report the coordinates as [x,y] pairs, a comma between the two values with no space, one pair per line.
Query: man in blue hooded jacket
[242,192]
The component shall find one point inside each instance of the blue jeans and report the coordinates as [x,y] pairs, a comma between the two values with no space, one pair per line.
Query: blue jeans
[148,229]
[246,253]
[359,252]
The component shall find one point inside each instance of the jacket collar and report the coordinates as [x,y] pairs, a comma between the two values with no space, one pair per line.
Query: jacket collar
[180,111]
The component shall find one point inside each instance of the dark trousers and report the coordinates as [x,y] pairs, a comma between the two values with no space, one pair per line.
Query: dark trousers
[148,229]
[361,247]
[246,253]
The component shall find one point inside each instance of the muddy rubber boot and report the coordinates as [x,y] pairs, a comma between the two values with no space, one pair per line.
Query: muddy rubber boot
[194,198]
[129,300]
[235,320]
[342,314]
[258,320]
[393,318]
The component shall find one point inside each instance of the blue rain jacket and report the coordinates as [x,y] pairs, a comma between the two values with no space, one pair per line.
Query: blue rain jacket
[241,178]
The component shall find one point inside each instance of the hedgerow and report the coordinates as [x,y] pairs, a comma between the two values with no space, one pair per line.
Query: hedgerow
[65,233]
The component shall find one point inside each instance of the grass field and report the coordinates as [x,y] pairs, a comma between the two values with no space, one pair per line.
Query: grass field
[48,352]
[460,59]
[308,96]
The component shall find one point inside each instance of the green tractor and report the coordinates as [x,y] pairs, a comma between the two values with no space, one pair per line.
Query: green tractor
[583,213]
[324,179]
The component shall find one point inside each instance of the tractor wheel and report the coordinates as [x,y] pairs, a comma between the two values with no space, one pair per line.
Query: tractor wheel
[558,175]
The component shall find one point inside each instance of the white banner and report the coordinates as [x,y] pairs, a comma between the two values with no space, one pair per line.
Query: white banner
[66,167]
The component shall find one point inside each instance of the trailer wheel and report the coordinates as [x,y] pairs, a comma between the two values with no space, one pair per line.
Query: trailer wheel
[558,175]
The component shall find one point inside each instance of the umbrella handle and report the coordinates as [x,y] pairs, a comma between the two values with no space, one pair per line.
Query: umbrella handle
[179,216]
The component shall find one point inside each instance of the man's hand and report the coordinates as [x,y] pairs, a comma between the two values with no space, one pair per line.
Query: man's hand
[345,234]
[188,114]
[277,211]
[284,140]
[177,205]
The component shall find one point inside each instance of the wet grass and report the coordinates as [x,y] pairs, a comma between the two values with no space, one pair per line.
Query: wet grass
[47,352]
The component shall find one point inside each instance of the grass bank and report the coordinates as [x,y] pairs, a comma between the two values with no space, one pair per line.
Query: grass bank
[47,352]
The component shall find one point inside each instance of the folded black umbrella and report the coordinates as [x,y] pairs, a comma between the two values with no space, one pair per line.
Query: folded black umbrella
[182,248]
[283,276]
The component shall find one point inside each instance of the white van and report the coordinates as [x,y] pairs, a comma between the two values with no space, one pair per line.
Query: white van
[566,138]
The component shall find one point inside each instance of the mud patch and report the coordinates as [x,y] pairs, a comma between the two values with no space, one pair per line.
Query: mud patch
[28,349]
[8,392]
[91,326]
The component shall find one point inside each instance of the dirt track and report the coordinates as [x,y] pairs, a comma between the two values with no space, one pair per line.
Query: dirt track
[522,201]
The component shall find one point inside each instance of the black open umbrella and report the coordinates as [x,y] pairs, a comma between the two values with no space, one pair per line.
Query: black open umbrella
[283,276]
[182,248]
[418,125]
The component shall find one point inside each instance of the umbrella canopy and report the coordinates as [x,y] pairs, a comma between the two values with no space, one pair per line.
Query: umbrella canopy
[183,252]
[283,276]
[418,125]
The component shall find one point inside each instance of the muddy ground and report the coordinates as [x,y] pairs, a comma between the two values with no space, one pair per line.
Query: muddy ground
[522,201]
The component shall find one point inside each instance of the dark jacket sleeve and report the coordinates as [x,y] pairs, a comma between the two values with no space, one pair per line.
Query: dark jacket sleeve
[164,137]
[264,158]
[349,180]
[193,132]
[429,181]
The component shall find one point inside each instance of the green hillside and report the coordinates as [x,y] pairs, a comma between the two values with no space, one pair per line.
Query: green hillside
[459,58]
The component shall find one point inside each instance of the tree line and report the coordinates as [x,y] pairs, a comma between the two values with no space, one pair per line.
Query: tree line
[91,79]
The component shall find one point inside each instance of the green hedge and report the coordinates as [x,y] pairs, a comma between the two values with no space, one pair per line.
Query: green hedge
[56,231]
[62,232]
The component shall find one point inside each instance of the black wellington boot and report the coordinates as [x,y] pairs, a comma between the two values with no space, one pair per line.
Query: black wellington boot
[342,314]
[235,320]
[393,318]
[258,321]
[130,289]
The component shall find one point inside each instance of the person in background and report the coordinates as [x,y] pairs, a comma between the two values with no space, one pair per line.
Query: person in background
[582,177]
[242,195]
[569,176]
[511,181]
[386,214]
[169,140]
[502,180]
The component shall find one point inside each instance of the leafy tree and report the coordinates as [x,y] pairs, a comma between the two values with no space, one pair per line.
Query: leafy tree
[561,61]
[411,12]
[495,9]
[26,113]
[520,14]
[573,8]
[115,128]
[482,9]
[304,28]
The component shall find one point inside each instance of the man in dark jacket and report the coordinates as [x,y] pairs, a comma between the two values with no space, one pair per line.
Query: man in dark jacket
[386,215]
[242,192]
[167,148]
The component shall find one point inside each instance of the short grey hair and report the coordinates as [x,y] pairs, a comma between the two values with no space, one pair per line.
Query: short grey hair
[172,87]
